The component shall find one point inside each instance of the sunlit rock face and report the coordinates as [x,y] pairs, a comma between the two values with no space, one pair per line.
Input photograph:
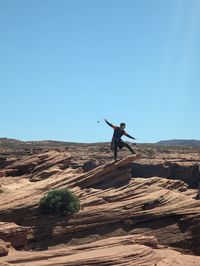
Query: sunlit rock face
[132,212]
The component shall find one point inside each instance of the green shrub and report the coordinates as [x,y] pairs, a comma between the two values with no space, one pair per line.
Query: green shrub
[60,201]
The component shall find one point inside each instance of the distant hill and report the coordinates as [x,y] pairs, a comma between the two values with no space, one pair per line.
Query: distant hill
[17,146]
[179,142]
[44,143]
[28,147]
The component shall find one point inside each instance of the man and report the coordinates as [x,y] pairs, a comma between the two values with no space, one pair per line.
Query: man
[117,142]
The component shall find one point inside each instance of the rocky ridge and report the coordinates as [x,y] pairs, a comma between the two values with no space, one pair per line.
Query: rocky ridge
[140,221]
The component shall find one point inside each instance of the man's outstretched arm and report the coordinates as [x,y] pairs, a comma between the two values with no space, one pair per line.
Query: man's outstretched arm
[111,125]
[129,136]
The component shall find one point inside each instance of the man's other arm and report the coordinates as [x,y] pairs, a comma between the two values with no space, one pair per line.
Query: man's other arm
[108,123]
[129,136]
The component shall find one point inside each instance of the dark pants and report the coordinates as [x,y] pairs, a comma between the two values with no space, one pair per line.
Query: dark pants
[198,194]
[119,143]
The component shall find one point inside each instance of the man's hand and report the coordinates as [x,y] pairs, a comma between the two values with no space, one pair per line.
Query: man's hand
[108,123]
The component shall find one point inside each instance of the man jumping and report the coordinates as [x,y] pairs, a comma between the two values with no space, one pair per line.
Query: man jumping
[117,142]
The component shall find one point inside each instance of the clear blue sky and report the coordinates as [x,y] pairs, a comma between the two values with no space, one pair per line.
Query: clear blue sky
[64,65]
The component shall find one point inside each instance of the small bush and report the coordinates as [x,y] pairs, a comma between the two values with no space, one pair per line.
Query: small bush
[60,201]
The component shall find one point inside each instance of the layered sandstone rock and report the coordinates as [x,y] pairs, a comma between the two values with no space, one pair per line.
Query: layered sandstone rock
[117,210]
[187,171]
[4,248]
[15,234]
[131,250]
[39,166]
[3,263]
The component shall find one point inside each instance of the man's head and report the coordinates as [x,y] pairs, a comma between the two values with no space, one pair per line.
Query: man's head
[122,125]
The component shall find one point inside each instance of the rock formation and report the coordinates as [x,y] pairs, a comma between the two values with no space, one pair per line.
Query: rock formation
[125,250]
[124,219]
[4,248]
[15,234]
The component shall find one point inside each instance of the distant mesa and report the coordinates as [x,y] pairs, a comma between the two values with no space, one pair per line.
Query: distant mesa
[17,145]
[180,142]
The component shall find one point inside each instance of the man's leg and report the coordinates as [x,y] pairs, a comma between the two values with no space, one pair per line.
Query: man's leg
[128,147]
[115,150]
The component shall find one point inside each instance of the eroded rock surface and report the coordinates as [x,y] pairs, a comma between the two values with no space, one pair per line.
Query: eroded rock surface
[125,250]
[15,234]
[187,171]
[39,166]
[4,248]
[123,220]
